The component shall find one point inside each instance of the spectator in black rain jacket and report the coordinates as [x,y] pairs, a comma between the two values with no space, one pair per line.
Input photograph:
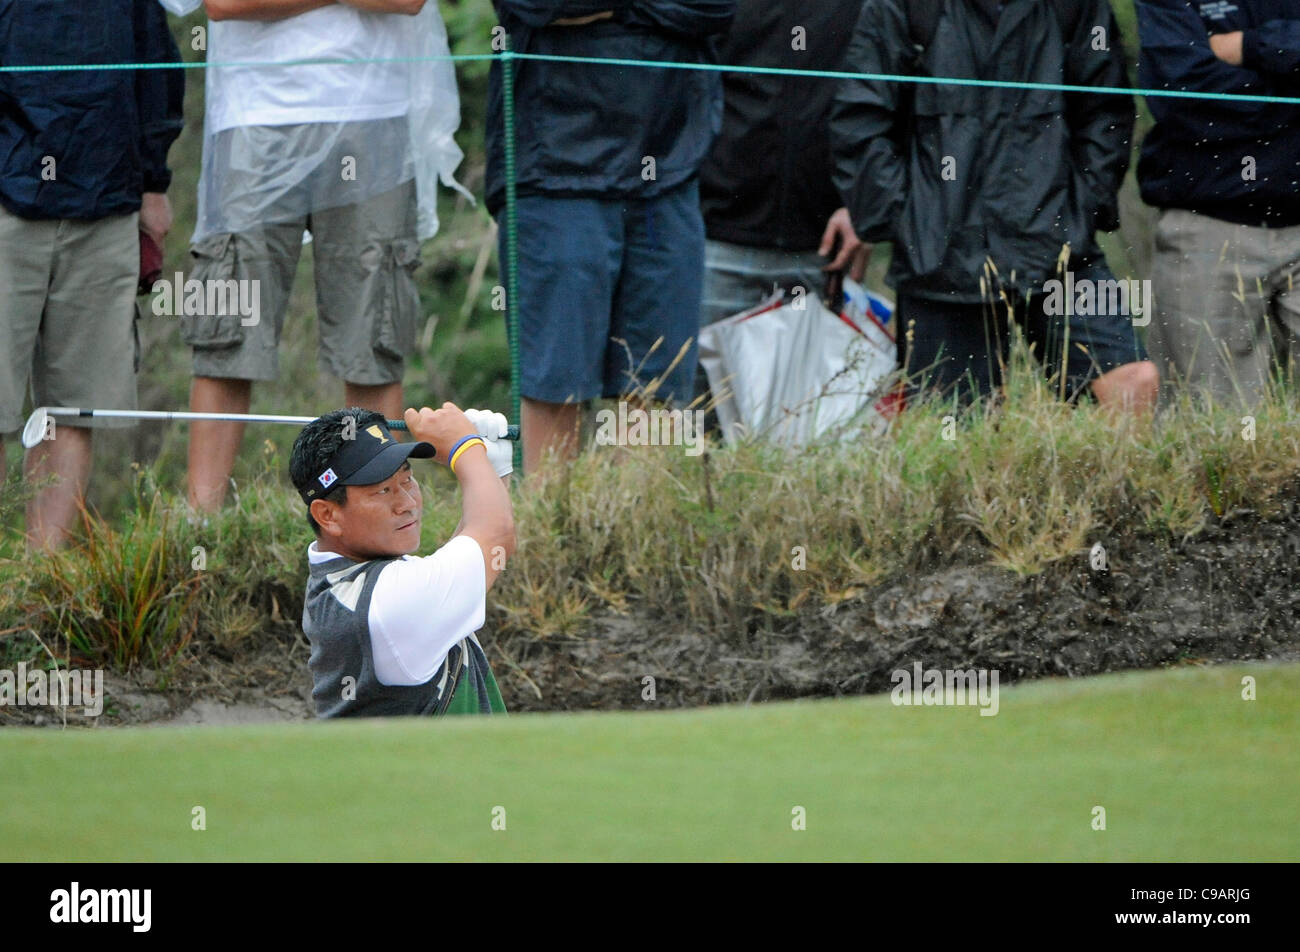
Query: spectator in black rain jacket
[771,211]
[992,196]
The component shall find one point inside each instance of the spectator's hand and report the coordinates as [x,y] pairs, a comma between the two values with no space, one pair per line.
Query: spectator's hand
[492,427]
[407,7]
[853,253]
[155,216]
[1227,47]
[583,21]
[442,427]
[858,267]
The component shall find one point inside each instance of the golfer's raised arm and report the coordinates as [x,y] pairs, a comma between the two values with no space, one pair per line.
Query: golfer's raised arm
[486,513]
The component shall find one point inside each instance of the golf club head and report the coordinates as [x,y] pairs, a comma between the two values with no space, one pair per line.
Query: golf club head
[34,429]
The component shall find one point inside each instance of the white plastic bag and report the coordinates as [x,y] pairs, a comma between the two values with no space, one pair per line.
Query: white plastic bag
[792,371]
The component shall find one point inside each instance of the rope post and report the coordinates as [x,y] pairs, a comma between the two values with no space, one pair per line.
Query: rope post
[512,241]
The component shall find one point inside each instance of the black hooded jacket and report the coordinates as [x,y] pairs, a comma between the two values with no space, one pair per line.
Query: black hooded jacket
[957,175]
[767,182]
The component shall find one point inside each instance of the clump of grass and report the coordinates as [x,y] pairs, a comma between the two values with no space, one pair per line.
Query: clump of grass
[253,559]
[139,592]
[721,540]
[114,598]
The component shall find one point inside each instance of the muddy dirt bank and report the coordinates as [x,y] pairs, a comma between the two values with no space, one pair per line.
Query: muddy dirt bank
[1230,594]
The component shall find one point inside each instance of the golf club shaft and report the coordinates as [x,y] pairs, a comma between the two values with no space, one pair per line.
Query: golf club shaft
[512,433]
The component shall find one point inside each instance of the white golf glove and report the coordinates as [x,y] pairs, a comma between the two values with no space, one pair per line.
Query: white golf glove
[493,427]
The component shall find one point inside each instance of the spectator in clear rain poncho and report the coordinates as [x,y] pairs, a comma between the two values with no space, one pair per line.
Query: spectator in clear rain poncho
[349,151]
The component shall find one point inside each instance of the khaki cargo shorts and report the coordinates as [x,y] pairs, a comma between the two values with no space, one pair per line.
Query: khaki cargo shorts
[367,302]
[68,315]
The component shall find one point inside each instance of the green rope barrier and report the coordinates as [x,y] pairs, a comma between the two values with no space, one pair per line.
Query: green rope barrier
[512,242]
[204,64]
[706,67]
[920,80]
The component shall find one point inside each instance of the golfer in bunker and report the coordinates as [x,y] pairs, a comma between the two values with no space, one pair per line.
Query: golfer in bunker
[392,633]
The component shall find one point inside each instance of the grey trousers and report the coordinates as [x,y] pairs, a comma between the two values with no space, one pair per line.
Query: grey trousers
[1227,305]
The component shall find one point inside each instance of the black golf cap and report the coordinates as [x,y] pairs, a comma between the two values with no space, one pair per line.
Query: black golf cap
[371,457]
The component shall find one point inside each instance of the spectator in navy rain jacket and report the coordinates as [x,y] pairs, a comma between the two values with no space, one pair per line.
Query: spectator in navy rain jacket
[83,171]
[611,241]
[1227,177]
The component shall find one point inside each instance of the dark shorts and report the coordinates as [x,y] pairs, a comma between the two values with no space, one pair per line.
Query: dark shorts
[609,292]
[962,348]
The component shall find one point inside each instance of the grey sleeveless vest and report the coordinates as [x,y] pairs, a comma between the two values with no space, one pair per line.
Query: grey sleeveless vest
[335,618]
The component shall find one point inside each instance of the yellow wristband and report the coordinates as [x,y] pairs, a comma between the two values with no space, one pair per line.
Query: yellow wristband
[463,447]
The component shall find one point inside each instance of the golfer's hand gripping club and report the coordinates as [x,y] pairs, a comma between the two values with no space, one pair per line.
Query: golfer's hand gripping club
[486,512]
[493,428]
[444,428]
[511,430]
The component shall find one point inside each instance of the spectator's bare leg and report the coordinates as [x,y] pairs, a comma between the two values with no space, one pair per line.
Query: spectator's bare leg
[548,427]
[54,510]
[385,398]
[1131,388]
[213,444]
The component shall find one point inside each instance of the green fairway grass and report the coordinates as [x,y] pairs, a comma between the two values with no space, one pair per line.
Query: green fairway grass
[1184,767]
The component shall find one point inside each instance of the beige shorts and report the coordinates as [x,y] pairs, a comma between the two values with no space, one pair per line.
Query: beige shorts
[367,302]
[68,315]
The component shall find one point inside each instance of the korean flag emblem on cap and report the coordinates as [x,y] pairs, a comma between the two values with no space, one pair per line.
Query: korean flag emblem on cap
[327,478]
